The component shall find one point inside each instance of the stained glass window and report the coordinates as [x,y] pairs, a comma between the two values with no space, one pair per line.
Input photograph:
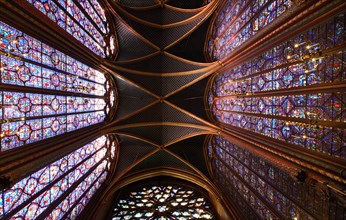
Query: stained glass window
[45,92]
[239,20]
[273,94]
[163,202]
[63,188]
[85,20]
[261,185]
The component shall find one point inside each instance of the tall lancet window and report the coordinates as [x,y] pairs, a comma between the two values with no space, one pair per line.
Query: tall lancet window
[239,20]
[260,189]
[85,20]
[63,188]
[45,92]
[290,91]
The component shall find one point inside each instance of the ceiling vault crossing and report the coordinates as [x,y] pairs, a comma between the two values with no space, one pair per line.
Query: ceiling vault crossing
[148,133]
[243,100]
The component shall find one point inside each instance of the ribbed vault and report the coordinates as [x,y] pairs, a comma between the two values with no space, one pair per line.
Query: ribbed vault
[155,133]
[161,15]
[172,31]
[285,78]
[163,63]
[131,44]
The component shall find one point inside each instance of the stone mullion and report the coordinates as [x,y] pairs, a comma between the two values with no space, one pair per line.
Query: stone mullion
[211,170]
[56,203]
[316,167]
[89,17]
[46,188]
[18,163]
[257,194]
[232,21]
[310,12]
[45,30]
[290,120]
[293,200]
[246,23]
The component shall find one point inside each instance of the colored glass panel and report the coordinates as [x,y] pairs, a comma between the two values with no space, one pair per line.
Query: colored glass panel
[89,9]
[163,202]
[29,117]
[99,9]
[265,185]
[239,95]
[87,25]
[238,21]
[77,175]
[16,64]
[88,188]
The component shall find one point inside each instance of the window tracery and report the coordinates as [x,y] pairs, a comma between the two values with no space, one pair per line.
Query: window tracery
[240,20]
[240,96]
[68,94]
[85,20]
[163,202]
[63,188]
[260,184]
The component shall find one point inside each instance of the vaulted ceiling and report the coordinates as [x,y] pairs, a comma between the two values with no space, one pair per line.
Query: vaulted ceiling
[161,75]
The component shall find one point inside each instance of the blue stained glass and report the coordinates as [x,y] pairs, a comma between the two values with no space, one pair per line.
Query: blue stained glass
[1,206]
[233,165]
[16,71]
[84,22]
[232,28]
[99,9]
[52,182]
[177,202]
[93,14]
[239,95]
[30,117]
[76,23]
